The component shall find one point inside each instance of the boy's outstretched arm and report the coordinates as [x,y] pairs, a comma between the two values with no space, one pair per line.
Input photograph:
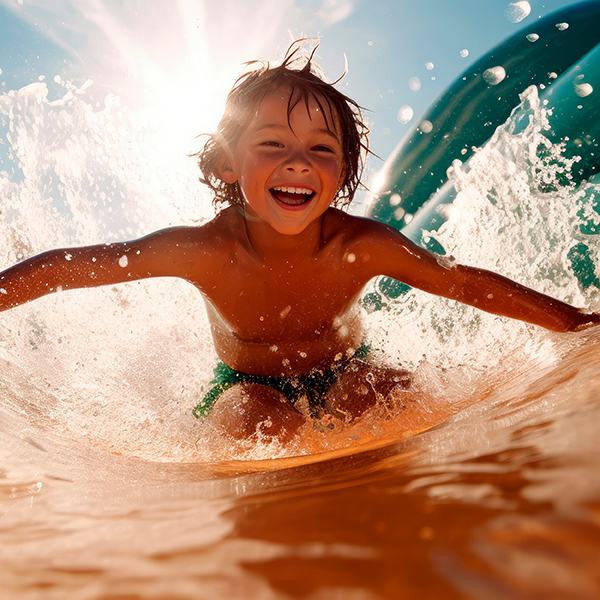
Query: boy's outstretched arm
[501,296]
[401,259]
[169,253]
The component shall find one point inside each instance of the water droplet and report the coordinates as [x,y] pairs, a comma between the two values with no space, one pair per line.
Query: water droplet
[405,114]
[583,89]
[123,262]
[532,37]
[399,213]
[515,12]
[429,66]
[494,75]
[426,126]
[464,53]
[414,83]
[562,26]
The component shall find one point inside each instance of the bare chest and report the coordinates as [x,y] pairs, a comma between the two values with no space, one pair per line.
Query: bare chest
[283,300]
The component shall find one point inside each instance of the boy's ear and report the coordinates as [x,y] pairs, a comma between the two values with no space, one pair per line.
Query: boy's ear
[224,170]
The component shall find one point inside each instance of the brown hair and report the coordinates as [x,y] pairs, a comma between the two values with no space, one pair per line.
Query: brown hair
[306,81]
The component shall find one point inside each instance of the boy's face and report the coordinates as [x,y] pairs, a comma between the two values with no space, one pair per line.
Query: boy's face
[288,170]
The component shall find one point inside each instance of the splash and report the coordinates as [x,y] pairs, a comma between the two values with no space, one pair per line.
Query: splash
[120,368]
[78,175]
[516,213]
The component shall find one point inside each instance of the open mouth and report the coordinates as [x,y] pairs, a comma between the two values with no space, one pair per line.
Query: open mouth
[292,196]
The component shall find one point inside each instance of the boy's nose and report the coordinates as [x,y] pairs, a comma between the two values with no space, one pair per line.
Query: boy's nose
[298,162]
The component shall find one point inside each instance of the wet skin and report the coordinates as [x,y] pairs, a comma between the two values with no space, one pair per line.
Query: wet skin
[282,274]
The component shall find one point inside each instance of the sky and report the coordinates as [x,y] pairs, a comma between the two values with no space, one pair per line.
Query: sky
[175,60]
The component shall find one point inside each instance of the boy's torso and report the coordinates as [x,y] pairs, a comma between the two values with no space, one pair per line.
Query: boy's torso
[284,315]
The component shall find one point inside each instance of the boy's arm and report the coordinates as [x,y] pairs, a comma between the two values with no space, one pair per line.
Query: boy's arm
[501,296]
[397,257]
[169,253]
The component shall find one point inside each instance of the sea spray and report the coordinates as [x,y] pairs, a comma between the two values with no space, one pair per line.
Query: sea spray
[516,213]
[119,366]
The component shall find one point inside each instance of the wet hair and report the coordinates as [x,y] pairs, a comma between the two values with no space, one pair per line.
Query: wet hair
[304,78]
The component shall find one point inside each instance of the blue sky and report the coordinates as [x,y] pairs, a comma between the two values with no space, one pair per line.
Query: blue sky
[179,57]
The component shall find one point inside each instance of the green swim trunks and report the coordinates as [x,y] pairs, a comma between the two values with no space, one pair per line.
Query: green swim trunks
[313,385]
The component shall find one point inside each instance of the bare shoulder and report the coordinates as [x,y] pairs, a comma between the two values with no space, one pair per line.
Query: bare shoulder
[213,237]
[190,252]
[372,248]
[227,225]
[359,231]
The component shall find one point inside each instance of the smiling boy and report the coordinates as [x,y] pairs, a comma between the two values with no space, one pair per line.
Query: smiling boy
[281,269]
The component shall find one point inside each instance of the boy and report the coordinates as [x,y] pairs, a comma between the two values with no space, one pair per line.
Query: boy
[281,268]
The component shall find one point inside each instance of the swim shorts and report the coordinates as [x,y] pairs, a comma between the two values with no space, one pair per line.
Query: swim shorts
[313,386]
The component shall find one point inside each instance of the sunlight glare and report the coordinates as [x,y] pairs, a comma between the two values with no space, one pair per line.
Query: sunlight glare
[180,108]
[184,102]
[171,62]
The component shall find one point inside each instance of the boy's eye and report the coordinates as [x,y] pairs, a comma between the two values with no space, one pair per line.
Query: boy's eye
[322,149]
[273,144]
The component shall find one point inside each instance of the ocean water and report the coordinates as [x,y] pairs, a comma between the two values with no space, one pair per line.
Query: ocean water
[109,488]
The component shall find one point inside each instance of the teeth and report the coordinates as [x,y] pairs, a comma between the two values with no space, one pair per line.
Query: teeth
[292,190]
